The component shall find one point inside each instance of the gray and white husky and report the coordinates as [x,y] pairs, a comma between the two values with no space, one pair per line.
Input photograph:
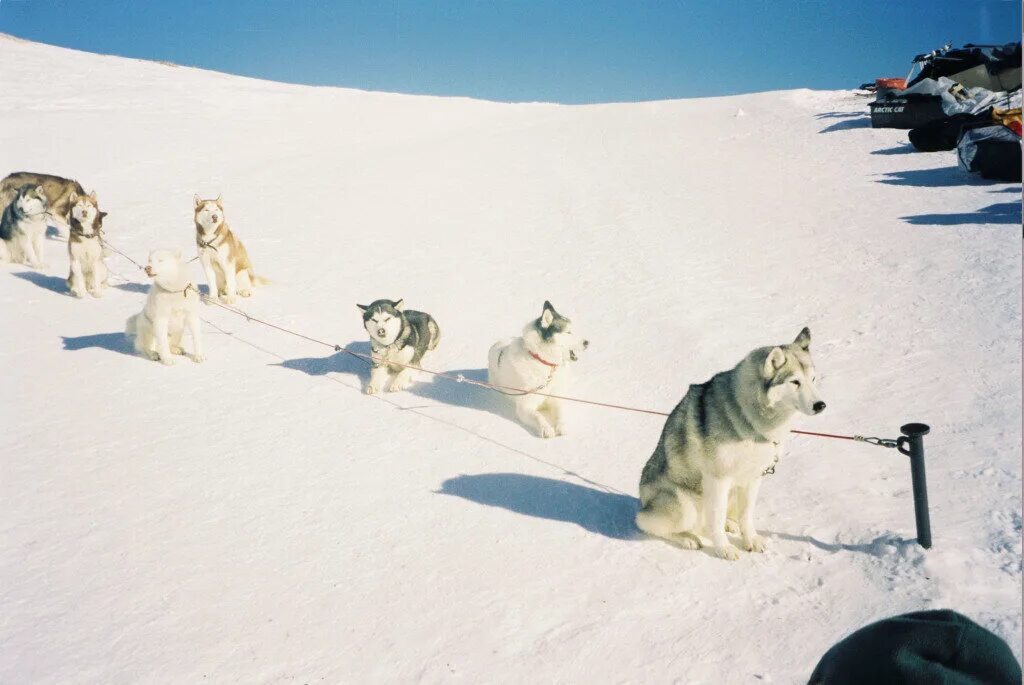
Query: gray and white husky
[537,361]
[23,227]
[58,192]
[719,442]
[397,337]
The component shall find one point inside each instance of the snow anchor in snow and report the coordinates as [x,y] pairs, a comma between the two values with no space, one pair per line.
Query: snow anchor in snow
[913,437]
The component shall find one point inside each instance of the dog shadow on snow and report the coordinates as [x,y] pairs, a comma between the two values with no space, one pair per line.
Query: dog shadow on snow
[445,391]
[114,342]
[606,513]
[440,390]
[52,283]
[339,362]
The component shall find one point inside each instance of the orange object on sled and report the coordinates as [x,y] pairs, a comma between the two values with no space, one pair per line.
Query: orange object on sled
[893,83]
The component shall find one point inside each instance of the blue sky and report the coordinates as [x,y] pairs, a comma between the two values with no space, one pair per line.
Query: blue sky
[563,51]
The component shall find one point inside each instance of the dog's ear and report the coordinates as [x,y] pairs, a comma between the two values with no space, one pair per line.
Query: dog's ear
[775,360]
[220,201]
[92,196]
[363,307]
[547,315]
[804,338]
[197,200]
[73,197]
[101,215]
[40,192]
[400,305]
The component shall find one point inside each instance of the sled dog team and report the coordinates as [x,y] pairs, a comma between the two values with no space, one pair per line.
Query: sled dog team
[701,482]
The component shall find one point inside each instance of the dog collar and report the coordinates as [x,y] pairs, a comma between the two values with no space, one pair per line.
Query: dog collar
[545,362]
[210,243]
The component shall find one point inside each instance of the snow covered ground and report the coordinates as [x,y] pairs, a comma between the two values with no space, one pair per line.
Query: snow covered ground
[257,519]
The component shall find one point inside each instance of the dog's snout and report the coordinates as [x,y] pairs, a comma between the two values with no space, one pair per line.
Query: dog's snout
[818,407]
[586,344]
[381,332]
[149,270]
[214,218]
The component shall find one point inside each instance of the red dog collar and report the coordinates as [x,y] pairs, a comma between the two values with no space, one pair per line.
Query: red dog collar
[542,361]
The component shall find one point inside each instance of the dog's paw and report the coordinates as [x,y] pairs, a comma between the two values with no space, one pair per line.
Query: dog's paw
[372,389]
[227,299]
[245,293]
[177,349]
[731,527]
[165,360]
[546,432]
[399,383]
[198,358]
[561,429]
[727,552]
[684,541]
[96,293]
[77,293]
[755,544]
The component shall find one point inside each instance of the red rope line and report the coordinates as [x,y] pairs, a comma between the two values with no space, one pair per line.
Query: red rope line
[369,358]
[826,435]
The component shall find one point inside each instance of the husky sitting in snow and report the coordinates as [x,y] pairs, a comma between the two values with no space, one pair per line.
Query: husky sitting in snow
[85,250]
[23,227]
[397,337]
[172,305]
[537,361]
[223,256]
[719,442]
[58,192]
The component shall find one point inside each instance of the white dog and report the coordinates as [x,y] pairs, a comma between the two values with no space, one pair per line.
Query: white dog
[172,305]
[536,362]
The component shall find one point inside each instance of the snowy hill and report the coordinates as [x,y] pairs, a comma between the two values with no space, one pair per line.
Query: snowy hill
[258,519]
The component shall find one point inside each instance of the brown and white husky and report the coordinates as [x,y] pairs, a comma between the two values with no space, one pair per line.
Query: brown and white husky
[223,256]
[85,249]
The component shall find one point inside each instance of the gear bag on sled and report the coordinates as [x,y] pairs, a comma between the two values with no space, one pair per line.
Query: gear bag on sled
[993,151]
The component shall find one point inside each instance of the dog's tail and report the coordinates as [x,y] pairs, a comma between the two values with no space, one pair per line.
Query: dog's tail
[131,326]
[257,280]
[435,334]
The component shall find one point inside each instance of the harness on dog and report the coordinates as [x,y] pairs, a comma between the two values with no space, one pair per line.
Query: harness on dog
[77,229]
[210,243]
[545,362]
[547,381]
[184,291]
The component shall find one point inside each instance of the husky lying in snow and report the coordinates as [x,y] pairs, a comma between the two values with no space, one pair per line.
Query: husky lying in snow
[537,361]
[222,254]
[23,227]
[57,190]
[172,305]
[719,442]
[397,335]
[88,271]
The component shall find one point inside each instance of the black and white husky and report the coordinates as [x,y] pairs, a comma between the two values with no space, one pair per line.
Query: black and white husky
[397,337]
[537,362]
[23,227]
